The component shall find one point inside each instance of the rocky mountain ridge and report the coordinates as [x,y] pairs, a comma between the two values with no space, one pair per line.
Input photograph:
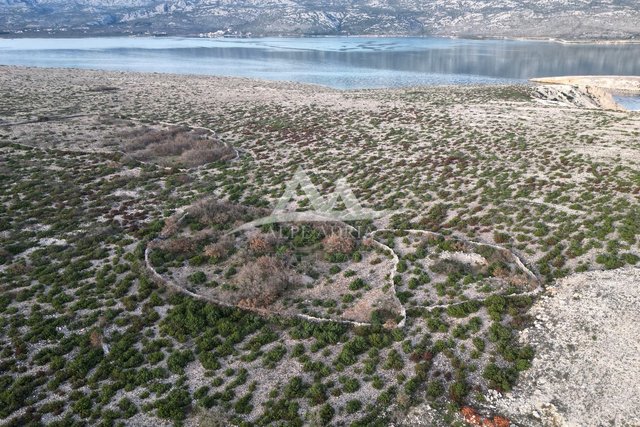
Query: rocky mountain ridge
[566,19]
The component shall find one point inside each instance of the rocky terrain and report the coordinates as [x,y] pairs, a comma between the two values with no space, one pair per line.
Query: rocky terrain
[125,298]
[587,366]
[565,19]
[586,91]
[577,96]
[617,84]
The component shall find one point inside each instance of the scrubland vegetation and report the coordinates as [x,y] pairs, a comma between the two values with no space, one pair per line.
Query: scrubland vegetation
[252,327]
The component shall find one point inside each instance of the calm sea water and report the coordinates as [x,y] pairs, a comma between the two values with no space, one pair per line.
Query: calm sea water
[629,102]
[339,62]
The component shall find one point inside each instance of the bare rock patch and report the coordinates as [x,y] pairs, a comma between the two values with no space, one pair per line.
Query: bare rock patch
[587,366]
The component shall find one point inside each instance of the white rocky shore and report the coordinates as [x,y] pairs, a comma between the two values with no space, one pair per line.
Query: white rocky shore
[577,96]
[586,91]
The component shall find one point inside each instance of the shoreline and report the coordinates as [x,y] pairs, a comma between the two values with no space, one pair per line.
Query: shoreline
[299,84]
[615,84]
[470,37]
[569,41]
[595,97]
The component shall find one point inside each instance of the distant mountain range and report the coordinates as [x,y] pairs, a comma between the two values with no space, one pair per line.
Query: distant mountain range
[568,19]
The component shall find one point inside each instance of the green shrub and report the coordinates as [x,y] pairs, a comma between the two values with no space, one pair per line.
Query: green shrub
[463,309]
[178,360]
[350,385]
[479,343]
[500,379]
[243,405]
[295,388]
[394,361]
[82,407]
[274,355]
[353,406]
[458,391]
[357,284]
[317,393]
[198,278]
[435,389]
[175,406]
[128,408]
[610,261]
[326,414]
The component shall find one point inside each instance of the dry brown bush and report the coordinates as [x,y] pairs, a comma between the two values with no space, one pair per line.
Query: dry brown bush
[500,237]
[179,245]
[104,88]
[133,140]
[502,272]
[206,234]
[368,242]
[96,339]
[219,249]
[213,212]
[170,227]
[262,244]
[339,243]
[18,268]
[213,153]
[522,280]
[263,281]
[191,147]
[217,213]
[174,145]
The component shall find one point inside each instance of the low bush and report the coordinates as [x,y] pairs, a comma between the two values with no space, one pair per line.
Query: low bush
[263,281]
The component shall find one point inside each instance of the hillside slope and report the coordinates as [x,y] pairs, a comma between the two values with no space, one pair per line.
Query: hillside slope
[569,19]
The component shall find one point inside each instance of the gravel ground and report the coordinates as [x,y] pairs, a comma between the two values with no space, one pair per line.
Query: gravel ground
[587,366]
